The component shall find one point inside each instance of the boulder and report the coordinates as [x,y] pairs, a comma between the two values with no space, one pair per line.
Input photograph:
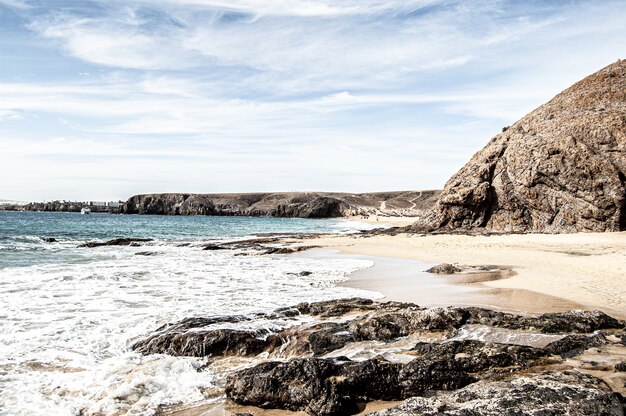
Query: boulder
[566,393]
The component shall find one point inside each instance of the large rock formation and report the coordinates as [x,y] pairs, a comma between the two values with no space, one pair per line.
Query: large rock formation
[561,168]
[465,361]
[294,204]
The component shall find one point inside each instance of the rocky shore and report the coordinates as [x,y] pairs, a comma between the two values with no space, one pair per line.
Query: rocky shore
[332,357]
[58,206]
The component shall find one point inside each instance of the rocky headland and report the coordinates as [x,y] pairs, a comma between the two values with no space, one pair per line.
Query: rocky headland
[58,206]
[561,168]
[332,357]
[288,204]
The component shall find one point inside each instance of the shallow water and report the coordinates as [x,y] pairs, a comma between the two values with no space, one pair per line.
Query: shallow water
[68,314]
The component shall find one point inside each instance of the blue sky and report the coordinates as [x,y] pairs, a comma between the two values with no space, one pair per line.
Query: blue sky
[107,98]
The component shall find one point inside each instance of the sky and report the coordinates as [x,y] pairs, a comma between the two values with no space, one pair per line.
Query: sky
[103,99]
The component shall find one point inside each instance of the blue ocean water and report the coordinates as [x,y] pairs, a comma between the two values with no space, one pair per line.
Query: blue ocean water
[22,234]
[68,315]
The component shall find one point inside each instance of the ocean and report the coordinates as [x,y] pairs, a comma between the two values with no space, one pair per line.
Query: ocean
[68,315]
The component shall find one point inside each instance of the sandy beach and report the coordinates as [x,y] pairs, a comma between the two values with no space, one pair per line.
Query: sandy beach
[548,272]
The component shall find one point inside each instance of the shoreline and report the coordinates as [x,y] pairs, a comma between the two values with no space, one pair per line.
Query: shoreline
[550,272]
[405,280]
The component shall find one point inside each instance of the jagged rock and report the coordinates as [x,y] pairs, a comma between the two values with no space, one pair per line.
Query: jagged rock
[49,240]
[621,366]
[336,386]
[115,242]
[216,342]
[572,345]
[444,268]
[335,307]
[372,322]
[564,394]
[561,168]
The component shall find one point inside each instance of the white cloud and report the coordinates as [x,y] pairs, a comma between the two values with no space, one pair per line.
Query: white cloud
[302,8]
[16,4]
[209,95]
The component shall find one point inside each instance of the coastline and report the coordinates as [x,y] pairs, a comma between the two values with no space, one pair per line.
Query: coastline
[550,272]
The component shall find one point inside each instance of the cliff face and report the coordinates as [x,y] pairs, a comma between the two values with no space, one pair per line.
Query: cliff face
[561,168]
[294,204]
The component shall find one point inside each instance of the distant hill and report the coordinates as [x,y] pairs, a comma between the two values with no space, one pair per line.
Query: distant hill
[561,168]
[286,204]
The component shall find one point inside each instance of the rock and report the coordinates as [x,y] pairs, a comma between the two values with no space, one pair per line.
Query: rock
[621,366]
[444,268]
[566,393]
[372,322]
[572,345]
[49,240]
[115,242]
[337,307]
[209,343]
[288,204]
[561,168]
[146,253]
[213,247]
[336,386]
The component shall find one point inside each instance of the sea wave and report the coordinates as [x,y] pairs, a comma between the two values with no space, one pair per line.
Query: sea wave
[66,327]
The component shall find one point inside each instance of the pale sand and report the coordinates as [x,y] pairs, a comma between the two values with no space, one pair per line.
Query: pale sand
[551,272]
[384,220]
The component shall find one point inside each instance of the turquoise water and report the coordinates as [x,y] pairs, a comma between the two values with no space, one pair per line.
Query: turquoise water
[22,234]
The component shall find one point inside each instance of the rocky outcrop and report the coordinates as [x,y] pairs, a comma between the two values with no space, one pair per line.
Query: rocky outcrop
[295,204]
[442,366]
[561,168]
[370,322]
[567,393]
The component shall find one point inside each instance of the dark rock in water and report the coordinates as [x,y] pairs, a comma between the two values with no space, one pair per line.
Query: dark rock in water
[373,322]
[444,268]
[335,386]
[561,168]
[213,247]
[208,343]
[115,242]
[338,386]
[566,393]
[146,253]
[338,307]
[621,366]
[305,273]
[49,240]
[287,250]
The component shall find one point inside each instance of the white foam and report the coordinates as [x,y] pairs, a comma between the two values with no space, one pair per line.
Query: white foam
[66,328]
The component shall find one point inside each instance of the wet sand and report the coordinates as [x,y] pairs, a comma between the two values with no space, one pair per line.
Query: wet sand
[405,280]
[549,272]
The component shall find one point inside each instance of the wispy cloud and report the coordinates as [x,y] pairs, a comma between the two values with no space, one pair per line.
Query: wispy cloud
[363,95]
